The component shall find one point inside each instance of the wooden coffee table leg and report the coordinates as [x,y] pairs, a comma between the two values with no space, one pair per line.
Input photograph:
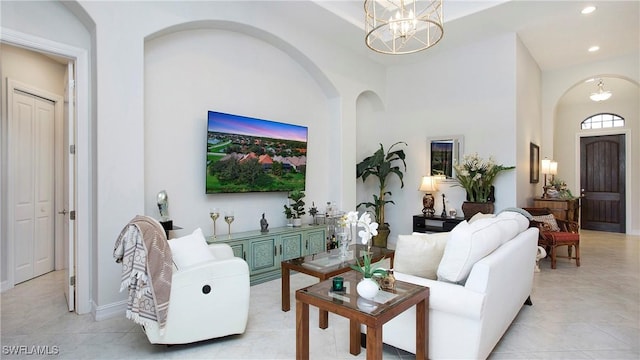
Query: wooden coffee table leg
[354,337]
[422,330]
[286,287]
[302,330]
[374,343]
[324,319]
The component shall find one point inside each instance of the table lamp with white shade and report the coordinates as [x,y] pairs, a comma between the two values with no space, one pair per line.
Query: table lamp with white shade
[550,167]
[428,186]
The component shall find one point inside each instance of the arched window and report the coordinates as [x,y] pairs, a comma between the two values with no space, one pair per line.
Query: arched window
[602,121]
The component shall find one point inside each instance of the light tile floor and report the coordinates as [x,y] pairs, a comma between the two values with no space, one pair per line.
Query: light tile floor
[587,312]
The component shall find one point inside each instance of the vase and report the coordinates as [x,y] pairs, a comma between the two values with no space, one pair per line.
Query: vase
[367,288]
[297,222]
[471,208]
[380,240]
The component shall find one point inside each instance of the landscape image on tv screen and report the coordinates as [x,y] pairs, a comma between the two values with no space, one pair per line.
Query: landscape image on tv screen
[254,155]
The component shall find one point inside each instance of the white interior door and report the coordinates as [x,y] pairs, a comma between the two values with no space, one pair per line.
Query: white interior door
[32,157]
[69,188]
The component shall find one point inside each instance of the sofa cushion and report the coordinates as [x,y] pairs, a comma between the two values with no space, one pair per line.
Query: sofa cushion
[549,222]
[471,242]
[419,254]
[190,250]
[479,216]
[521,219]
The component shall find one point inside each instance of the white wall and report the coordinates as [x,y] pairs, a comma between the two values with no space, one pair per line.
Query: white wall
[529,123]
[184,79]
[450,95]
[124,98]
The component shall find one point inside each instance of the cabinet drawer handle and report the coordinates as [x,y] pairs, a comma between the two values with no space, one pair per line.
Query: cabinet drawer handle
[275,251]
[280,249]
[244,255]
[306,244]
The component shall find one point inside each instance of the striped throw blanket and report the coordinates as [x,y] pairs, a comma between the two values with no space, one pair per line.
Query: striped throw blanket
[147,267]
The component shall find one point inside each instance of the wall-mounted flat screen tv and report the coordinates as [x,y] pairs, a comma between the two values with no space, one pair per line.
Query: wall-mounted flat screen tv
[246,154]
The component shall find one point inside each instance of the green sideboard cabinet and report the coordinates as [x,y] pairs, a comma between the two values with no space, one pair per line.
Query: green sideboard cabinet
[265,251]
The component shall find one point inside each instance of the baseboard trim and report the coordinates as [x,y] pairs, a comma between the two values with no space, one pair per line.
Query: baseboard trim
[5,285]
[109,311]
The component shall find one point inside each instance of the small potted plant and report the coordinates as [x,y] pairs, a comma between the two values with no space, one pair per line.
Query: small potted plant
[367,287]
[296,208]
[367,269]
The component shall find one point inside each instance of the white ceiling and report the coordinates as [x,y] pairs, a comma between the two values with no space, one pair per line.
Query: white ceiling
[555,32]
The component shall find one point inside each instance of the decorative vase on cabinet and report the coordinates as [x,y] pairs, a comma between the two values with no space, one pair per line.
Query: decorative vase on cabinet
[471,208]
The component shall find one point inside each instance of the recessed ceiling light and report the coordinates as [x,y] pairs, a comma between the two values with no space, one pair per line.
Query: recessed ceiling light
[588,10]
[594,48]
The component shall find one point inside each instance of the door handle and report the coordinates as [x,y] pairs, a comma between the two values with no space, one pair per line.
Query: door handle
[63,212]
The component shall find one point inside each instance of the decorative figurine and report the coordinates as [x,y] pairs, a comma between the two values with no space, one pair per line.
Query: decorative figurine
[388,282]
[444,209]
[163,205]
[313,212]
[264,225]
[163,208]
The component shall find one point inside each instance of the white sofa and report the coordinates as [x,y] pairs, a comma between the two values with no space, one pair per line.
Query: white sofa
[209,293]
[467,317]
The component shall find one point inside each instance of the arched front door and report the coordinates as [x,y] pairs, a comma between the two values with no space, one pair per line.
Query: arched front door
[602,183]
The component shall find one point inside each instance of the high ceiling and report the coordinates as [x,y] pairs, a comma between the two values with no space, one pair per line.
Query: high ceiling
[555,32]
[557,35]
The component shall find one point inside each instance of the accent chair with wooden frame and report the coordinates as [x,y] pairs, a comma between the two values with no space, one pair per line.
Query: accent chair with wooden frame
[556,232]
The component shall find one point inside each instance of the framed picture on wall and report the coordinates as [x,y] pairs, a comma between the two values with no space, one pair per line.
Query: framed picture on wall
[534,163]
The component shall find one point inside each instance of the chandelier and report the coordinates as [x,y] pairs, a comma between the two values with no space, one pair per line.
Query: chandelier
[402,26]
[601,94]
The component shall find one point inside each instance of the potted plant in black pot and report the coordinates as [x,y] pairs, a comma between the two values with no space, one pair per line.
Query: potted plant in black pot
[296,208]
[382,165]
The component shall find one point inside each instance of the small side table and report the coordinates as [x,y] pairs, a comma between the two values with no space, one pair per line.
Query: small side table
[305,265]
[359,311]
[564,209]
[434,224]
[168,226]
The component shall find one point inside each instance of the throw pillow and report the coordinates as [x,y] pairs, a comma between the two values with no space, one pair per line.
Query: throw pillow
[470,243]
[419,254]
[549,222]
[190,250]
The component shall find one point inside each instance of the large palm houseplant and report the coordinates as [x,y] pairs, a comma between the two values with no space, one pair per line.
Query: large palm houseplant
[382,165]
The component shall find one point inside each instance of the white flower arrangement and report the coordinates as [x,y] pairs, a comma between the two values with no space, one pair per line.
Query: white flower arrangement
[369,228]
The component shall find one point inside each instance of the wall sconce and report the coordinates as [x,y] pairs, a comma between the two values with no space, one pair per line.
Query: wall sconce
[428,185]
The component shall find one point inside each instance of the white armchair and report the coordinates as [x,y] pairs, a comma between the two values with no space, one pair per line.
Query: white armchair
[208,300]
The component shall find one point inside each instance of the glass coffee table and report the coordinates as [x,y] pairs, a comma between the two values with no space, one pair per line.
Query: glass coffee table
[324,266]
[373,314]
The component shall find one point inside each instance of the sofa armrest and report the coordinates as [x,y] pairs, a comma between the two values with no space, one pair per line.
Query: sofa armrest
[448,297]
[221,251]
[212,269]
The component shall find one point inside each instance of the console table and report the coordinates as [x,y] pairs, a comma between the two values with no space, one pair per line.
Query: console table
[434,224]
[564,209]
[264,252]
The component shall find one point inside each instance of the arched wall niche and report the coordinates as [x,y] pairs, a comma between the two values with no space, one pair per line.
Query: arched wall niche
[370,112]
[323,81]
[229,67]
